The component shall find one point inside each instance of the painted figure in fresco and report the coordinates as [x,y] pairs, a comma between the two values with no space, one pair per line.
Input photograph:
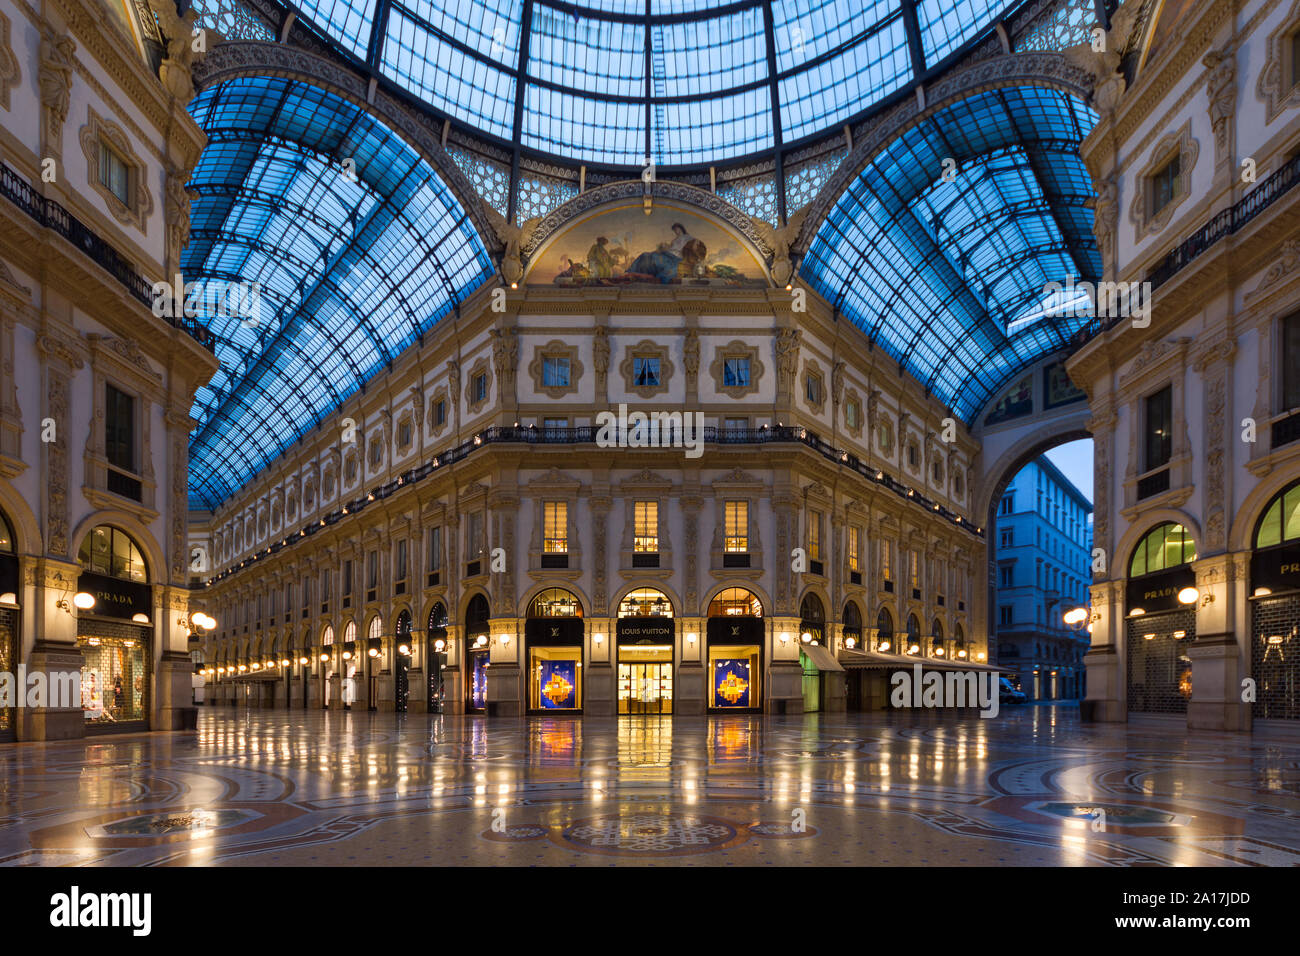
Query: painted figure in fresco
[666,263]
[599,261]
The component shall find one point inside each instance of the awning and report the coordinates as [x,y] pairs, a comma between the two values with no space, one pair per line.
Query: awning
[879,661]
[822,659]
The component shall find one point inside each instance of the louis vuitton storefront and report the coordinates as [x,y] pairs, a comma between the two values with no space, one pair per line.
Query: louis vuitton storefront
[734,635]
[645,635]
[553,634]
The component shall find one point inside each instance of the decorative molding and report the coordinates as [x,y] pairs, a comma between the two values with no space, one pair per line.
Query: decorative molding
[10,73]
[555,349]
[1181,143]
[136,212]
[1274,88]
[646,349]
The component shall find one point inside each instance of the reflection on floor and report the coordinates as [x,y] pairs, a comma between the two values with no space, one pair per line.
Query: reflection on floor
[1032,786]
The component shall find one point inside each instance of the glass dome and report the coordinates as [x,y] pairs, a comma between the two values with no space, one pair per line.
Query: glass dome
[682,82]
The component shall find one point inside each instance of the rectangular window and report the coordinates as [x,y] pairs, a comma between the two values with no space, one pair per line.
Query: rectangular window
[399,570]
[645,532]
[347,578]
[372,570]
[440,412]
[1295,59]
[1005,576]
[555,372]
[735,373]
[480,387]
[119,429]
[1006,505]
[1291,361]
[1007,538]
[815,535]
[326,584]
[114,174]
[736,526]
[435,549]
[854,561]
[734,426]
[555,424]
[1159,427]
[473,536]
[404,434]
[645,372]
[813,390]
[555,527]
[851,414]
[1004,616]
[1165,184]
[886,562]
[915,562]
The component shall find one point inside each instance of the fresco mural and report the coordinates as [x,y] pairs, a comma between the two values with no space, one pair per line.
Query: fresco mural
[622,245]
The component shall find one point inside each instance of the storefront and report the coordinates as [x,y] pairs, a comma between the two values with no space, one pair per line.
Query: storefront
[9,620]
[812,634]
[645,639]
[477,635]
[734,636]
[349,665]
[1160,613]
[553,634]
[402,662]
[326,664]
[436,656]
[114,633]
[1275,609]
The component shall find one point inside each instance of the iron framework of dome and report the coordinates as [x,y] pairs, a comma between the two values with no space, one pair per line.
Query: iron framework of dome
[758,100]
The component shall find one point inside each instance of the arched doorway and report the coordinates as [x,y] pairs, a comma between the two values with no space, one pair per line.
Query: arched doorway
[812,633]
[734,633]
[884,639]
[913,636]
[374,650]
[1160,608]
[477,635]
[1275,609]
[114,632]
[327,664]
[553,636]
[436,655]
[402,662]
[645,637]
[937,647]
[10,623]
[349,666]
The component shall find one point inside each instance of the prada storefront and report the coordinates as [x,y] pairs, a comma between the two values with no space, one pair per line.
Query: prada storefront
[553,634]
[734,635]
[114,634]
[477,635]
[644,637]
[1275,609]
[1160,608]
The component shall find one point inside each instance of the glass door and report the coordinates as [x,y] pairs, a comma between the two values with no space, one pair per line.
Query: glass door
[645,689]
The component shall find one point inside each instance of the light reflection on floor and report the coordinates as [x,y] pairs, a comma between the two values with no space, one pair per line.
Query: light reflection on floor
[1032,787]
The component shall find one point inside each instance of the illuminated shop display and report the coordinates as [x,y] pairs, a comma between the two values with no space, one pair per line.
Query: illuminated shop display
[645,679]
[114,679]
[734,677]
[477,654]
[478,679]
[8,641]
[555,678]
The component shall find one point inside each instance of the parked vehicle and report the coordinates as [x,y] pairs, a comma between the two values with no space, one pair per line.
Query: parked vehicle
[1007,693]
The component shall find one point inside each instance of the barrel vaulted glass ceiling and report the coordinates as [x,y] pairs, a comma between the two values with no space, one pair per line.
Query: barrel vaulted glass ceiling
[682,81]
[945,277]
[351,268]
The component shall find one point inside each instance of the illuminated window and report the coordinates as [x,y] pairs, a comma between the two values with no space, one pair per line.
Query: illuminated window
[736,529]
[886,562]
[815,535]
[1159,428]
[645,602]
[1165,546]
[645,526]
[110,551]
[915,562]
[855,563]
[1281,521]
[555,521]
[735,602]
[555,602]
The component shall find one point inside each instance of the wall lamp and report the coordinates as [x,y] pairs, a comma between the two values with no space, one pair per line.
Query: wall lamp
[83,600]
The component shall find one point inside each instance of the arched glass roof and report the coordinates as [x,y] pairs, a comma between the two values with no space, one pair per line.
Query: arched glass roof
[682,81]
[948,275]
[352,263]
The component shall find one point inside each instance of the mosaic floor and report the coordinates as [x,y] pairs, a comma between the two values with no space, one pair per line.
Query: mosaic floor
[1032,787]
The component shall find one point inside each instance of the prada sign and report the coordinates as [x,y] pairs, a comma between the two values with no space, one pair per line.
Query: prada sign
[553,630]
[735,630]
[1276,568]
[651,630]
[115,597]
[1159,591]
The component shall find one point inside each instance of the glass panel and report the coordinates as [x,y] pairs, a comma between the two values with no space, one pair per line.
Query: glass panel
[114,679]
[555,679]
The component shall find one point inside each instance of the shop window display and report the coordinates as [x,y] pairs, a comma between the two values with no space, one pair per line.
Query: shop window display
[114,680]
[556,674]
[734,677]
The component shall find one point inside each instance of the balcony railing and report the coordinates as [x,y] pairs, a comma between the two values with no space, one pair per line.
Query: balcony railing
[586,435]
[52,215]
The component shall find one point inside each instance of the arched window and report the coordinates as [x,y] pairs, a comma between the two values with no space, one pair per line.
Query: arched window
[555,602]
[645,602]
[327,636]
[6,535]
[812,616]
[913,634]
[476,616]
[438,616]
[851,619]
[112,552]
[1165,546]
[884,629]
[350,632]
[735,602]
[936,629]
[1281,520]
[376,629]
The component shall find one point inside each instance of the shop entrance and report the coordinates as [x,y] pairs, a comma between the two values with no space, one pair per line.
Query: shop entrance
[645,680]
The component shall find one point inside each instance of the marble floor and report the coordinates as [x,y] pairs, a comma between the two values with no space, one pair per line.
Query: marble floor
[1031,787]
